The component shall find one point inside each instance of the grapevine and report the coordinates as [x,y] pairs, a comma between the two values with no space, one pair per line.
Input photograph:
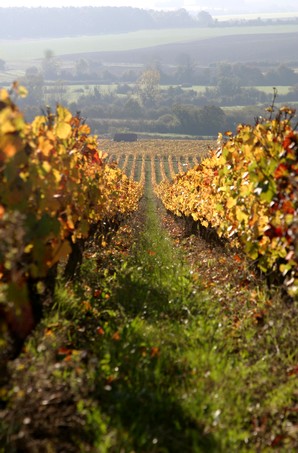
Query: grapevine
[55,188]
[247,191]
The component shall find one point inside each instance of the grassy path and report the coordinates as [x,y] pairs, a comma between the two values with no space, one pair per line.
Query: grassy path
[185,380]
[138,356]
[160,350]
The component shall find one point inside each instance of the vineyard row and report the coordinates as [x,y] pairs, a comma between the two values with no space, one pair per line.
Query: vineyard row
[247,191]
[57,190]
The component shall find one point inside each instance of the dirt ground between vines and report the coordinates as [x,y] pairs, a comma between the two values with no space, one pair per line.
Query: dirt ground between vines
[223,271]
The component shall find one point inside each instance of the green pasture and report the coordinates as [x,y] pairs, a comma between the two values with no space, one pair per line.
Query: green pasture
[75,91]
[264,88]
[30,49]
[269,90]
[198,88]
[87,88]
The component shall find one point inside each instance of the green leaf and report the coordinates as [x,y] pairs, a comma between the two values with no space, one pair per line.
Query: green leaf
[45,226]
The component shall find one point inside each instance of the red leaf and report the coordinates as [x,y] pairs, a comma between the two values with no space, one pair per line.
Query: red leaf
[293,371]
[237,258]
[277,440]
[116,336]
[290,141]
[100,331]
[154,351]
[288,207]
[280,171]
[64,352]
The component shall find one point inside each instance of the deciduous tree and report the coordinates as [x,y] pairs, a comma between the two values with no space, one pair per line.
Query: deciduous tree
[148,86]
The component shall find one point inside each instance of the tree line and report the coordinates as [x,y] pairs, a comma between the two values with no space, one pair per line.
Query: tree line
[147,107]
[147,101]
[41,22]
[70,21]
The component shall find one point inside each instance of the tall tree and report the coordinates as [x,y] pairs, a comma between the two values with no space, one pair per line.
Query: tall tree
[148,86]
[205,19]
[50,65]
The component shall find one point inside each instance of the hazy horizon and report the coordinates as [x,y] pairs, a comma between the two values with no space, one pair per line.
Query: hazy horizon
[212,6]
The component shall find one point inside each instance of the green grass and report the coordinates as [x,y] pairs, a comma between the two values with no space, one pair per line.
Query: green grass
[28,49]
[143,405]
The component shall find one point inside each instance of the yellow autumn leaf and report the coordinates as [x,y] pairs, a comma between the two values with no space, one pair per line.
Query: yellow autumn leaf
[102,154]
[85,129]
[46,166]
[246,190]
[231,202]
[63,130]
[263,243]
[28,248]
[63,114]
[4,94]
[37,124]
[195,216]
[57,175]
[61,252]
[44,146]
[23,92]
[7,127]
[241,216]
[51,136]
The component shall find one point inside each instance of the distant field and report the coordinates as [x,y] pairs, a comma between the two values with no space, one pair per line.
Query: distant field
[266,89]
[269,90]
[253,16]
[74,91]
[29,49]
[10,76]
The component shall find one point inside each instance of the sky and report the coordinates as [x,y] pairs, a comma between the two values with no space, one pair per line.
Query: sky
[58,3]
[207,5]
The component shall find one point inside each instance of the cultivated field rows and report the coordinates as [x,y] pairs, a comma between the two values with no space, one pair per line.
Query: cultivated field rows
[166,157]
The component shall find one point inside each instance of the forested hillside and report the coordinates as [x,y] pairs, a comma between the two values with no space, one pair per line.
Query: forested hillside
[72,21]
[49,22]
